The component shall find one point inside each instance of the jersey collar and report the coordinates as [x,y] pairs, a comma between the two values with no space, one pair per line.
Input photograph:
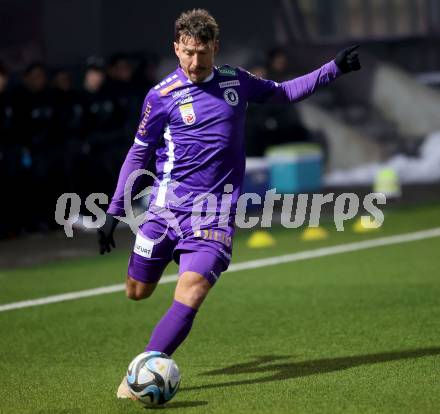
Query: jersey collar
[207,79]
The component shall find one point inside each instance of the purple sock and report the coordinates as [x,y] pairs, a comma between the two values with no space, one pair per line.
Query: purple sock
[172,329]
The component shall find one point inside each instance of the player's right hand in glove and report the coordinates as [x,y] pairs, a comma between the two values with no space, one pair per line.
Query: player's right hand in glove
[347,60]
[105,234]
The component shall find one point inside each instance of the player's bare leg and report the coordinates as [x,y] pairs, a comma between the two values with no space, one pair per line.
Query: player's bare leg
[137,290]
[192,289]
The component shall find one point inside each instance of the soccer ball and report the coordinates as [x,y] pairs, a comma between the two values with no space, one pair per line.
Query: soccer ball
[153,377]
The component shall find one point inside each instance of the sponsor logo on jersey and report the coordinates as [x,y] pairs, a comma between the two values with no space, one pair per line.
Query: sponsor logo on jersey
[231,96]
[188,114]
[180,93]
[228,84]
[142,130]
[143,246]
[216,235]
[169,88]
[185,100]
[166,81]
[227,71]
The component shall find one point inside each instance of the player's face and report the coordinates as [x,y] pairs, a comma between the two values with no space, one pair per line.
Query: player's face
[196,59]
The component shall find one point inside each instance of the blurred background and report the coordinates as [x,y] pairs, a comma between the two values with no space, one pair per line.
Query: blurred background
[73,75]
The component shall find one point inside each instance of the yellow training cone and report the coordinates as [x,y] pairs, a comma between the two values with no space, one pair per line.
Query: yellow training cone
[259,239]
[359,227]
[314,233]
[387,181]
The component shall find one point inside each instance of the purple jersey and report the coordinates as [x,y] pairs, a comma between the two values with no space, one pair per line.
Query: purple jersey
[197,131]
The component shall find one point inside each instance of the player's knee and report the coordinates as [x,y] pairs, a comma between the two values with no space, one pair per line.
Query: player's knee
[192,289]
[196,293]
[136,295]
[137,291]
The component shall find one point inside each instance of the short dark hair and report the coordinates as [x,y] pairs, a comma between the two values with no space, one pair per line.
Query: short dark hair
[198,24]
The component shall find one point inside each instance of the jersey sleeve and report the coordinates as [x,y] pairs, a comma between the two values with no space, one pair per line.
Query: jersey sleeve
[153,119]
[150,129]
[263,90]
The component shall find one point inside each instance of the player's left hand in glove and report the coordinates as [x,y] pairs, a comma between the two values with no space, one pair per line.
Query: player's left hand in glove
[105,234]
[347,60]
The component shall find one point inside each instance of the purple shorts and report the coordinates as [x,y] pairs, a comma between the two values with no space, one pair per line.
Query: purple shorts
[205,249]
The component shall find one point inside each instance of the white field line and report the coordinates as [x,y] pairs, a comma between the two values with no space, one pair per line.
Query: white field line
[252,264]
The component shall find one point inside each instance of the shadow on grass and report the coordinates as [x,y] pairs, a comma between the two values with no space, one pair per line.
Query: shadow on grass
[182,404]
[286,370]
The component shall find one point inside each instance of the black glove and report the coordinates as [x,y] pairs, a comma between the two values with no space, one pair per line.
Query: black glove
[105,234]
[347,60]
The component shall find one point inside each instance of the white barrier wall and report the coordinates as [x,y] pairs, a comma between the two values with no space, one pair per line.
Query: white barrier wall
[413,107]
[348,147]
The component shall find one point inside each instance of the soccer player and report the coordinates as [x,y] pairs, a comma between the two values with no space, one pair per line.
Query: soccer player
[194,121]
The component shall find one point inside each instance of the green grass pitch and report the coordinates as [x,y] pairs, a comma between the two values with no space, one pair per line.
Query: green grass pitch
[353,332]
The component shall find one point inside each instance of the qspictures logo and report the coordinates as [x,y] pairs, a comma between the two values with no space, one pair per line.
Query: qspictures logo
[295,210]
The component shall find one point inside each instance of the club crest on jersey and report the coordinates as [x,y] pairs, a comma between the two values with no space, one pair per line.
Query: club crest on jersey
[231,96]
[188,114]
